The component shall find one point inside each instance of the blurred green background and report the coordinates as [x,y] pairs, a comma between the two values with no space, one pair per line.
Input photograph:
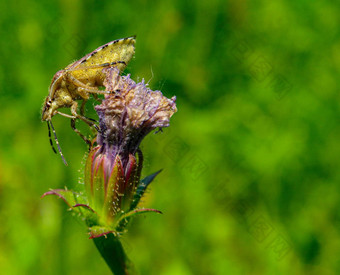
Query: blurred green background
[251,161]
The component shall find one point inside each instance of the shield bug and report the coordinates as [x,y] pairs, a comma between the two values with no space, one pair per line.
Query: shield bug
[82,78]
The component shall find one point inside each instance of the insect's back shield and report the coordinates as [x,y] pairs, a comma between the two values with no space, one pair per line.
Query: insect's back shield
[88,69]
[117,50]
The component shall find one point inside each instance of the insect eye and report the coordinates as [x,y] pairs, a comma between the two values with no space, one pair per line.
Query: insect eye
[48,103]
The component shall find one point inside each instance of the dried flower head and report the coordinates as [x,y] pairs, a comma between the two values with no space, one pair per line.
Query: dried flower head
[131,112]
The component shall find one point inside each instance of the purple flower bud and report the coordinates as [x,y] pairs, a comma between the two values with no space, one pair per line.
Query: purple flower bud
[126,116]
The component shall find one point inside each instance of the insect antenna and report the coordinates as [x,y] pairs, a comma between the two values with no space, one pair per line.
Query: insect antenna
[50,137]
[57,142]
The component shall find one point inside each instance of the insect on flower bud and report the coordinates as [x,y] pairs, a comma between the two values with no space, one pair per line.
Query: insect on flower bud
[129,111]
[113,167]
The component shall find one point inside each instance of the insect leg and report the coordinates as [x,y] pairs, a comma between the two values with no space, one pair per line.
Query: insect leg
[57,142]
[87,88]
[82,107]
[73,126]
[90,122]
[82,113]
[66,115]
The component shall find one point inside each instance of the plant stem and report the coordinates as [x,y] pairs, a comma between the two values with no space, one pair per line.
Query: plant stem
[113,253]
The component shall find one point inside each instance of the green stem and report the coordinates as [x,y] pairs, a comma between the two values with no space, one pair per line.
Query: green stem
[113,253]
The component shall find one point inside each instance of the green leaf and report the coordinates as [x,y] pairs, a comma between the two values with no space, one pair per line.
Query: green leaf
[144,183]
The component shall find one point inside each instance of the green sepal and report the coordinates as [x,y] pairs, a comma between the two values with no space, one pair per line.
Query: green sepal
[98,191]
[115,180]
[77,204]
[69,197]
[91,217]
[99,231]
[125,218]
[141,188]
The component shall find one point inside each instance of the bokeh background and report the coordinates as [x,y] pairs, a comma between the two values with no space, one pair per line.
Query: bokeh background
[251,161]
